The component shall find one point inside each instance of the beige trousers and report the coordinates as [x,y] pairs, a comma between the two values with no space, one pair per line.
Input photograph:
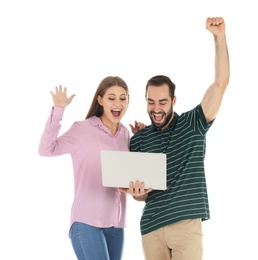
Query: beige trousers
[179,241]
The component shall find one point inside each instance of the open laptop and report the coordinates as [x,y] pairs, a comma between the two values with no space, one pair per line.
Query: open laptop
[119,168]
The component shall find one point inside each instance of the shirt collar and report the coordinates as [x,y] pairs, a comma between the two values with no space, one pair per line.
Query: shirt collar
[96,122]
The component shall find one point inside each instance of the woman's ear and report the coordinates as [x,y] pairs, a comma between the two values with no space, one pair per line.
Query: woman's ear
[100,100]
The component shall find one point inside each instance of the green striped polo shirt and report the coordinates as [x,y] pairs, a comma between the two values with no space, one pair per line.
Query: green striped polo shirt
[184,142]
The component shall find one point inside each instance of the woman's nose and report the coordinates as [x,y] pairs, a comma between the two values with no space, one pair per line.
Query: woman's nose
[118,102]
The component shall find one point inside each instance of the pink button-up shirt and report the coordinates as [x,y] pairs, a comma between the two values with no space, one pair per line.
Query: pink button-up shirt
[93,204]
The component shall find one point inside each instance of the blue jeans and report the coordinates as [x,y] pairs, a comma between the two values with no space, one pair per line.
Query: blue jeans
[93,243]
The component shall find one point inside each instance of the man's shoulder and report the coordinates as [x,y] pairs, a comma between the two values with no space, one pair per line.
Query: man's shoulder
[145,130]
[189,111]
[142,132]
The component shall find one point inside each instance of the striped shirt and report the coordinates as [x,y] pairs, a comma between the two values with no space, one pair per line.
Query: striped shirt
[184,142]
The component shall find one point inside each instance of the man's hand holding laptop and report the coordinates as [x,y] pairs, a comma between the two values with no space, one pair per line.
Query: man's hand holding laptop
[137,190]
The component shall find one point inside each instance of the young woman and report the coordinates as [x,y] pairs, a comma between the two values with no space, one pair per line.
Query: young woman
[98,213]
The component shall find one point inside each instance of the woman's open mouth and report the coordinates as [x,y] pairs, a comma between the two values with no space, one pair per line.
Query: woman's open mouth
[116,112]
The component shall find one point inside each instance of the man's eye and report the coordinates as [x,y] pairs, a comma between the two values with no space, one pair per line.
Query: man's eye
[163,104]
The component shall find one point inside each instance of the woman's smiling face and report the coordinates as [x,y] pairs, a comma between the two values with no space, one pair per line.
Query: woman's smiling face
[115,103]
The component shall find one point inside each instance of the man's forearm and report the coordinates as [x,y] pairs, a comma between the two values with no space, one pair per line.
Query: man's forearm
[222,70]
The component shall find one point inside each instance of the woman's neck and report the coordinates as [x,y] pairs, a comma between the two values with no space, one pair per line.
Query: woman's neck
[113,127]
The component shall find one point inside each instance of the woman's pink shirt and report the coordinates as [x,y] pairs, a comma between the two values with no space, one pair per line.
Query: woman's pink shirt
[93,204]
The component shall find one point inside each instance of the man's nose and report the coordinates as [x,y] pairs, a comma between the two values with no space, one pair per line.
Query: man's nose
[156,107]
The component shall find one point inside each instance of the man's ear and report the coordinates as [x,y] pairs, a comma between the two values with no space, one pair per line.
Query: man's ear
[174,100]
[100,100]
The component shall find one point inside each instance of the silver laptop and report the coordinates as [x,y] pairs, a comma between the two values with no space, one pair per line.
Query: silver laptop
[119,168]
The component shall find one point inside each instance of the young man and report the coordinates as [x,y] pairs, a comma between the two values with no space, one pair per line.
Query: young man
[171,222]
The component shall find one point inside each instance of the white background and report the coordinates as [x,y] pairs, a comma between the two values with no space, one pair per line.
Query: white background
[78,43]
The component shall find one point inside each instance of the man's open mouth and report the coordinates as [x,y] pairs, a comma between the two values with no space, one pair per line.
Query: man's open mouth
[157,116]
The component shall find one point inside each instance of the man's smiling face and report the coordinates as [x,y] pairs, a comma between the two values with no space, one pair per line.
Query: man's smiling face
[160,105]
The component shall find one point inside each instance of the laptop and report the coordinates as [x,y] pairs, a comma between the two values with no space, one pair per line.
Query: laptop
[119,168]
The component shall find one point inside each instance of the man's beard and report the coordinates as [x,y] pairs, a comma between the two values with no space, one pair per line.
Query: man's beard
[167,116]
